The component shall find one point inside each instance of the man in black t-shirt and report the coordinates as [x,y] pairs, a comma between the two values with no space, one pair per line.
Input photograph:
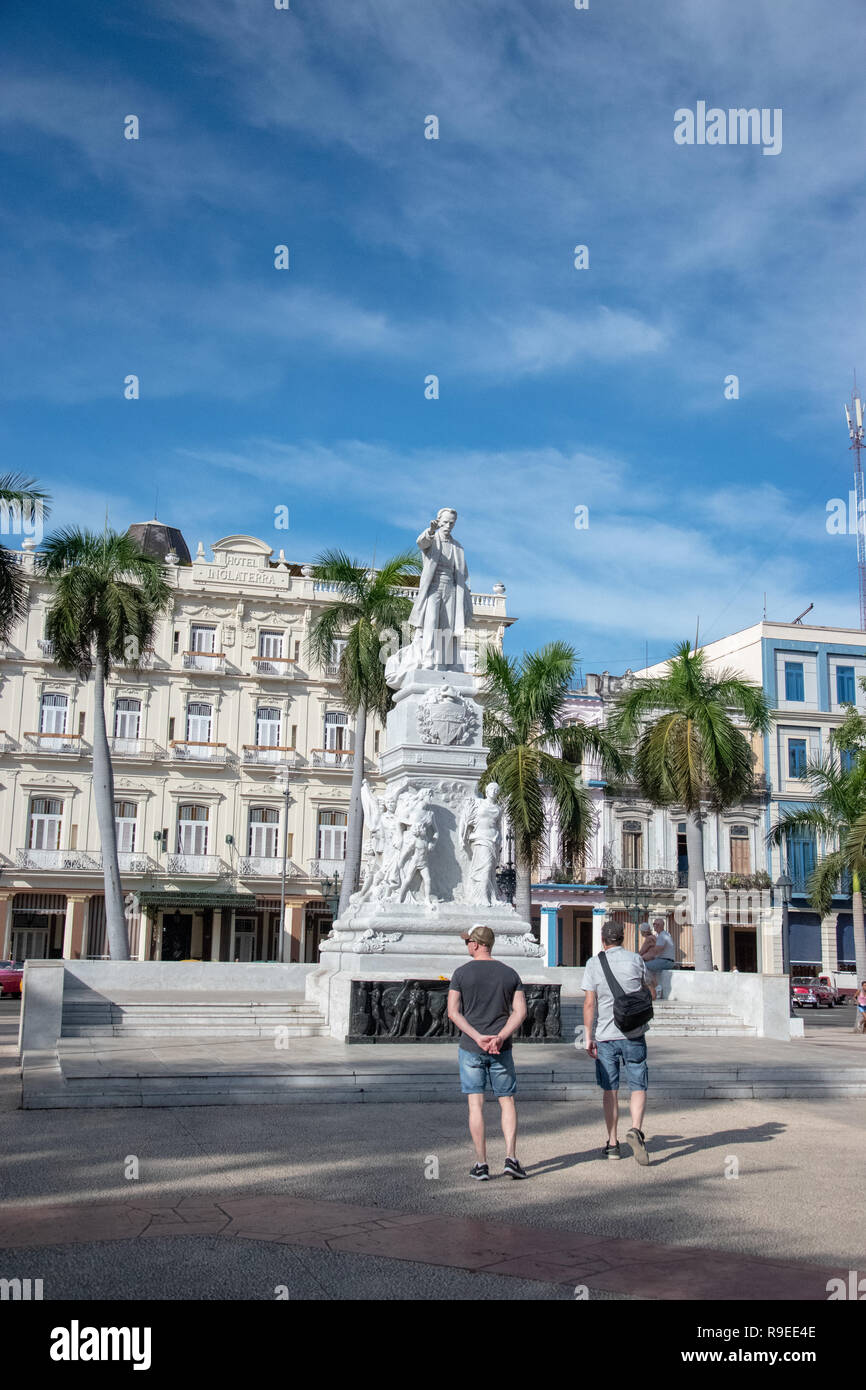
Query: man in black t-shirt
[487,1003]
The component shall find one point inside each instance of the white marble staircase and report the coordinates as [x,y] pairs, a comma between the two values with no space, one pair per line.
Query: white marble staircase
[189,1015]
[671,1019]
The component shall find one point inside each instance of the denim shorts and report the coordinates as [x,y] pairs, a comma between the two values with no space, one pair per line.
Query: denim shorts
[630,1051]
[661,963]
[477,1068]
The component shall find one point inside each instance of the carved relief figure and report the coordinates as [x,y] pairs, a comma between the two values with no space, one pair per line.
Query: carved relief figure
[419,837]
[480,831]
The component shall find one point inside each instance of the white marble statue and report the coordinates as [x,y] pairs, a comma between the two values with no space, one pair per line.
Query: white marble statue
[419,837]
[480,833]
[442,612]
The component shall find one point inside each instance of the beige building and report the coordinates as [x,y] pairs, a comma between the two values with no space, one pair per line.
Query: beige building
[203,735]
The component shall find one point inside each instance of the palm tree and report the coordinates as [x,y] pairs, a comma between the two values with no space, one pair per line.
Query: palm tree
[21,497]
[838,812]
[368,608]
[692,752]
[534,754]
[108,596]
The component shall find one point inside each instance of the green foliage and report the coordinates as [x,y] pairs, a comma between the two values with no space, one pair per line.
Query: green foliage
[692,749]
[108,596]
[17,493]
[367,613]
[533,752]
[837,812]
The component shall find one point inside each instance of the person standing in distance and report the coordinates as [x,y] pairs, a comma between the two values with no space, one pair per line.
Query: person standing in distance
[487,1003]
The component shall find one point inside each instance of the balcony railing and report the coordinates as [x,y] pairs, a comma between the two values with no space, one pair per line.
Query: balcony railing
[258,866]
[70,745]
[659,879]
[554,873]
[201,864]
[331,671]
[186,751]
[327,868]
[145,662]
[204,661]
[7,744]
[145,749]
[275,666]
[46,647]
[341,758]
[268,755]
[67,859]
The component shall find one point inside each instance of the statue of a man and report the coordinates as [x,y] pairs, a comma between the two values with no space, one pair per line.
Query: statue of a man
[443,609]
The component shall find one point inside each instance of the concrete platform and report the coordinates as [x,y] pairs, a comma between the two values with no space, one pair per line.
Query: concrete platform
[129,1072]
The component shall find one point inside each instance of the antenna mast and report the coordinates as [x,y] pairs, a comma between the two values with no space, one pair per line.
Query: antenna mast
[856,435]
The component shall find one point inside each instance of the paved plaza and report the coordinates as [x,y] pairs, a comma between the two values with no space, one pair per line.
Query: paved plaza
[332,1200]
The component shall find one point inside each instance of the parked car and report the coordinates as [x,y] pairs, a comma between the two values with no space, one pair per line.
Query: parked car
[843,986]
[11,975]
[805,989]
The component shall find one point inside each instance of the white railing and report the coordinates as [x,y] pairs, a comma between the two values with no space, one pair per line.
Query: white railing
[331,671]
[193,864]
[67,859]
[274,666]
[182,750]
[340,758]
[145,661]
[128,861]
[268,755]
[258,866]
[46,647]
[69,744]
[204,661]
[327,868]
[7,744]
[135,748]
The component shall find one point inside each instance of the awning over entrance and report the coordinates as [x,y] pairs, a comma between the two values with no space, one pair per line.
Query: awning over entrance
[194,897]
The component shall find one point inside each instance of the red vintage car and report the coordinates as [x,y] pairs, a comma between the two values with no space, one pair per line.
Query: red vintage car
[11,975]
[807,990]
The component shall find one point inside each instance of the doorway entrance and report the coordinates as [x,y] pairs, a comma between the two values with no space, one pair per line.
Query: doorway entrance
[177,936]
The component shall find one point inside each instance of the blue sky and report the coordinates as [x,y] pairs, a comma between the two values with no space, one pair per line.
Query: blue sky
[603,387]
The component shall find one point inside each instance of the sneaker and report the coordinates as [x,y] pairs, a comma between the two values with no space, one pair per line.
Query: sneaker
[481,1172]
[636,1138]
[513,1169]
[611,1151]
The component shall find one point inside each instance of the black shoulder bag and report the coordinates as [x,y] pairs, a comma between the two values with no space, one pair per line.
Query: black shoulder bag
[630,1011]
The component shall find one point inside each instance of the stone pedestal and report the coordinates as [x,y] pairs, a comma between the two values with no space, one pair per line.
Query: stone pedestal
[394,927]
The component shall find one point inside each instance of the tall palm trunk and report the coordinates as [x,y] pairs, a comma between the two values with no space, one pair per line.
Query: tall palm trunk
[859,933]
[701,939]
[103,791]
[523,885]
[355,830]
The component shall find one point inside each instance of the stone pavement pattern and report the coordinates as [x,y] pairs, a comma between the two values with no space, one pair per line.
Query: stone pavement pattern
[795,1211]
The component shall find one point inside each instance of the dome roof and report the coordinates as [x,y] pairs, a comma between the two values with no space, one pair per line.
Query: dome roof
[157,539]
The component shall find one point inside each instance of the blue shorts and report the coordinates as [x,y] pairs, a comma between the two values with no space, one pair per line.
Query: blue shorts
[632,1052]
[661,963]
[477,1068]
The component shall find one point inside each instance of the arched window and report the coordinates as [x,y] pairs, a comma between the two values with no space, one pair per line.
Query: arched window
[192,828]
[125,821]
[632,844]
[264,832]
[741,861]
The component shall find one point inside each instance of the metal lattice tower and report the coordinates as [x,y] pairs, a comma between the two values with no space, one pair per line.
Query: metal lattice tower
[854,417]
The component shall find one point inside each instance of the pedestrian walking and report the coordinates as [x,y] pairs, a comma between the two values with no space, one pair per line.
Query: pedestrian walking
[615,983]
[860,1020]
[486,1001]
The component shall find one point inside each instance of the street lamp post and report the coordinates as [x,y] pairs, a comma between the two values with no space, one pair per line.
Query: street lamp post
[783,888]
